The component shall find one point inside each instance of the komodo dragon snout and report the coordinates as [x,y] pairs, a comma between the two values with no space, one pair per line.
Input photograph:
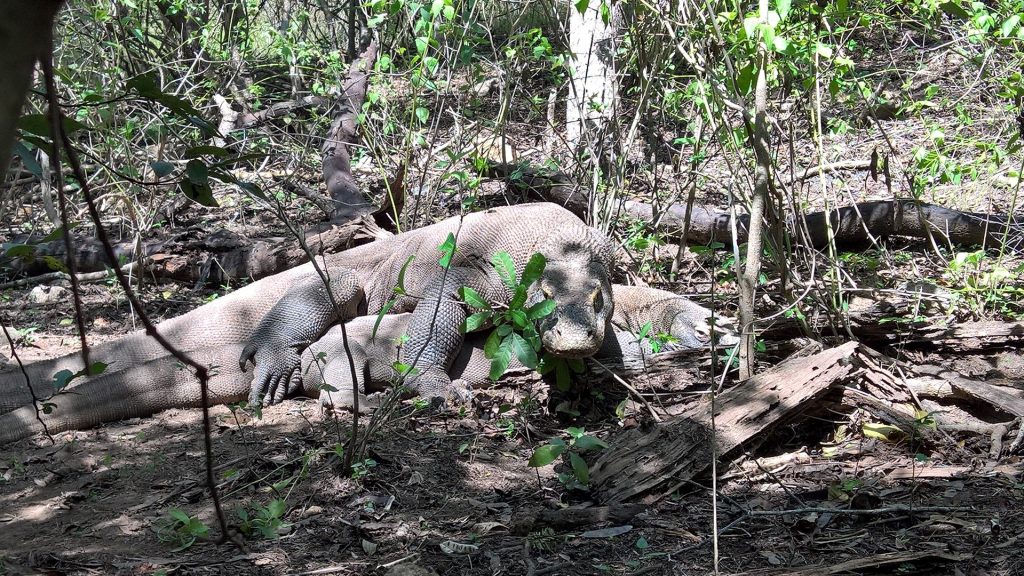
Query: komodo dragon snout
[578,279]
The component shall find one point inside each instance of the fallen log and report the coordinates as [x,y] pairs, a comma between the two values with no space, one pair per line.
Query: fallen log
[850,226]
[656,460]
[888,318]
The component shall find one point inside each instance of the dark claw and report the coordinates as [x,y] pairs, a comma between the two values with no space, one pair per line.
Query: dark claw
[247,354]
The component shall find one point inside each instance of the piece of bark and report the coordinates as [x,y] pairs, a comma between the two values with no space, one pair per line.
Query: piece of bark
[656,460]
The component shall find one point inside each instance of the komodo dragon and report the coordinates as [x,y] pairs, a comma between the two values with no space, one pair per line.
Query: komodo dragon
[273,320]
[144,390]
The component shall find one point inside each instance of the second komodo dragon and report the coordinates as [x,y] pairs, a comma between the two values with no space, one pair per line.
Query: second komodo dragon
[274,320]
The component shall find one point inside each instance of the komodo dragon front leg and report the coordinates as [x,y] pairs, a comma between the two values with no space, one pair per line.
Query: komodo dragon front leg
[303,314]
[436,331]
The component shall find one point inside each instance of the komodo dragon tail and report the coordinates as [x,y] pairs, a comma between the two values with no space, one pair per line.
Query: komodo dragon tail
[145,388]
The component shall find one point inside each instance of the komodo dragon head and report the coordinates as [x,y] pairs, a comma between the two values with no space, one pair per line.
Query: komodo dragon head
[578,278]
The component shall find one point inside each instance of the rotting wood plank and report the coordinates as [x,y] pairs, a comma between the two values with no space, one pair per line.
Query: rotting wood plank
[937,382]
[656,459]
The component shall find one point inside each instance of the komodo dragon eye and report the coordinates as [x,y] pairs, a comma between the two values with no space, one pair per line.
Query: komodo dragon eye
[597,298]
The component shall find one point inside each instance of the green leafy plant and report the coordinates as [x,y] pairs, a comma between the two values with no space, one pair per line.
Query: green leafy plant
[515,333]
[579,441]
[362,469]
[180,530]
[983,284]
[656,341]
[264,521]
[843,489]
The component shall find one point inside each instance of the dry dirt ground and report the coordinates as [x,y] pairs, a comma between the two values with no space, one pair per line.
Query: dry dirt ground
[456,495]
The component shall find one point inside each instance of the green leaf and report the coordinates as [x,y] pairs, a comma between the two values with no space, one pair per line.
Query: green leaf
[201,193]
[580,468]
[499,364]
[562,380]
[475,321]
[39,124]
[782,7]
[1007,28]
[25,251]
[606,12]
[519,319]
[540,309]
[518,299]
[745,78]
[644,331]
[524,351]
[491,345]
[147,86]
[400,287]
[276,508]
[505,268]
[422,114]
[750,24]
[582,5]
[473,298]
[955,10]
[422,43]
[179,515]
[251,189]
[588,442]
[534,269]
[197,171]
[28,159]
[62,379]
[545,455]
[447,249]
[884,432]
[161,169]
[97,368]
[380,316]
[430,63]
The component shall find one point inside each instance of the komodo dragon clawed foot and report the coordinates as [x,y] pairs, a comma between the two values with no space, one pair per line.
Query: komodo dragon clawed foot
[302,315]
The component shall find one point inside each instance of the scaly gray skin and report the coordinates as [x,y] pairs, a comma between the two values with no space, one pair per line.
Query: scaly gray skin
[274,319]
[141,390]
